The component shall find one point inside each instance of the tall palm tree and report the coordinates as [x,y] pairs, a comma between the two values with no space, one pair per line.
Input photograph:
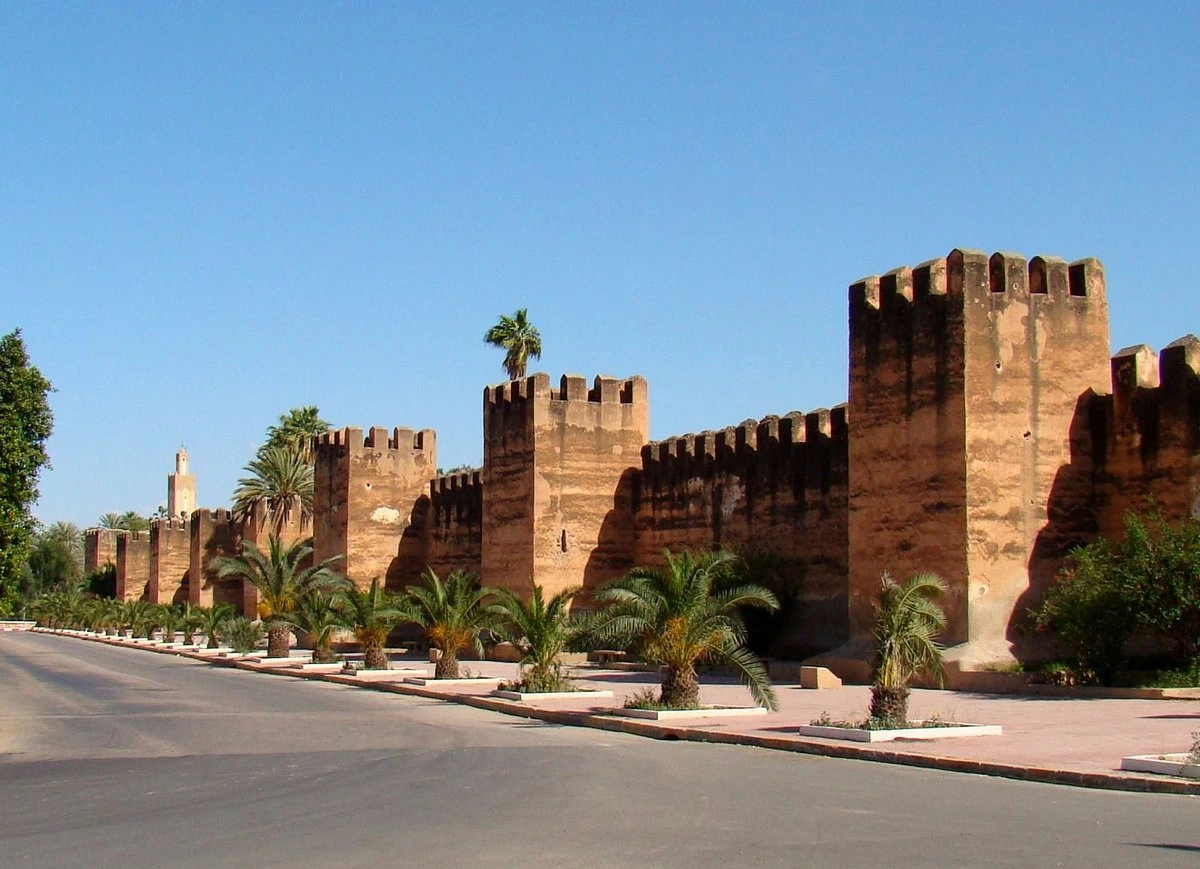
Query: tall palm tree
[683,615]
[280,480]
[296,430]
[130,520]
[110,521]
[453,612]
[540,630]
[371,614]
[280,578]
[519,340]
[908,620]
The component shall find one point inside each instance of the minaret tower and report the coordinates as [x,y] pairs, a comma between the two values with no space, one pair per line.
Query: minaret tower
[181,488]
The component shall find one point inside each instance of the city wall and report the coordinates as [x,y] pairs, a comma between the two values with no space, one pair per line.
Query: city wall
[133,565]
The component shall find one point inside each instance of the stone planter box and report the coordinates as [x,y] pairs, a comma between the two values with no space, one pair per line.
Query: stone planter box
[526,696]
[705,712]
[472,680]
[1162,764]
[854,734]
[396,674]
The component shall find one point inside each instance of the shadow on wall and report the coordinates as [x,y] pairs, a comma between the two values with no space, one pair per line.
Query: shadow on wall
[613,556]
[409,562]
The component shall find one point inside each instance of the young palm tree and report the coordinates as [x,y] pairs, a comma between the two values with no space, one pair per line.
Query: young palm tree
[191,619]
[541,630]
[296,431]
[168,618]
[683,615]
[908,620]
[139,616]
[281,480]
[371,615]
[318,615]
[280,580]
[518,338]
[453,613]
[213,620]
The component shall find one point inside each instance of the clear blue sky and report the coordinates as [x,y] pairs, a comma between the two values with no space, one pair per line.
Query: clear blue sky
[213,212]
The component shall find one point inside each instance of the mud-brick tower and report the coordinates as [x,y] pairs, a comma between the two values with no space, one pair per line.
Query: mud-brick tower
[181,488]
[100,548]
[258,528]
[213,534]
[133,565]
[557,480]
[170,554]
[970,379]
[370,499]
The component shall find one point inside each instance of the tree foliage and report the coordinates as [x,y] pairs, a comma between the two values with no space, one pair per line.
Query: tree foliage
[453,612]
[25,424]
[296,430]
[540,630]
[908,620]
[280,480]
[519,340]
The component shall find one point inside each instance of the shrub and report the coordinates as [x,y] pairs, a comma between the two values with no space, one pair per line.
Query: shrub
[243,635]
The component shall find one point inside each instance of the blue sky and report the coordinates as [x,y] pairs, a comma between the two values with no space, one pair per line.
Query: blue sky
[213,212]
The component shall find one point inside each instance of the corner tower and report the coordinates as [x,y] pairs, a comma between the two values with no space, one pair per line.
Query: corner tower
[970,378]
[558,480]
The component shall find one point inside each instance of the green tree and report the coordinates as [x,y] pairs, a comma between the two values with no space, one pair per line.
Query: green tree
[540,630]
[519,340]
[908,620]
[71,538]
[52,564]
[371,615]
[683,615]
[282,481]
[452,612]
[25,424]
[296,430]
[280,577]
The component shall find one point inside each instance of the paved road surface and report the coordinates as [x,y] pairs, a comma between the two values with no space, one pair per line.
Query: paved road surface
[113,757]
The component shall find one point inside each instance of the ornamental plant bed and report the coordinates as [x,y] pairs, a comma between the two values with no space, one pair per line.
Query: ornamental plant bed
[523,696]
[701,712]
[1182,764]
[875,730]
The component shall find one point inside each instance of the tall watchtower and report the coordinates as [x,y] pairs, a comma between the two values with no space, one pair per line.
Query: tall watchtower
[181,488]
[557,480]
[969,380]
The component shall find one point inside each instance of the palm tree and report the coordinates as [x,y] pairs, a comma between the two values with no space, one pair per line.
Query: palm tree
[541,630]
[453,613]
[317,615]
[518,338]
[296,431]
[281,480]
[907,622]
[139,615]
[213,620]
[110,521]
[371,614]
[280,580]
[191,619]
[130,520]
[684,615]
[168,618]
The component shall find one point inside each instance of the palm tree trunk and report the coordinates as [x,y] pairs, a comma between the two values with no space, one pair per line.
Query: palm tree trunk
[447,666]
[889,704]
[322,653]
[277,639]
[680,690]
[373,656]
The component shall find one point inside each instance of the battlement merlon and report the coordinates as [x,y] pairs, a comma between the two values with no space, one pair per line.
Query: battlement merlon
[170,524]
[974,273]
[1137,367]
[377,439]
[220,514]
[572,387]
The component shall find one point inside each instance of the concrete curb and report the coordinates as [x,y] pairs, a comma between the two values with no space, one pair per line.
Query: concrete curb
[653,730]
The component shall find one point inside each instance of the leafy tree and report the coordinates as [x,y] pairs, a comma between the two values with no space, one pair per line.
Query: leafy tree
[519,340]
[25,424]
[541,630]
[280,577]
[684,615]
[371,615]
[452,612]
[282,481]
[296,430]
[908,620]
[52,564]
[70,537]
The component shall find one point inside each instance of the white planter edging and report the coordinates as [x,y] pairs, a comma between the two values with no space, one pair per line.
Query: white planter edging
[853,734]
[395,674]
[707,712]
[524,696]
[473,680]
[1163,764]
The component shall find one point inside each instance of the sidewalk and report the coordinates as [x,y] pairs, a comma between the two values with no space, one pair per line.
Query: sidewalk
[1078,741]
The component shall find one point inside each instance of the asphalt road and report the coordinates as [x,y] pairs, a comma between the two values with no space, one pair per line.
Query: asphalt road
[114,757]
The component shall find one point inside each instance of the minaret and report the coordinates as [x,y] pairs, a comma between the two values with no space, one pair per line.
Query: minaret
[181,488]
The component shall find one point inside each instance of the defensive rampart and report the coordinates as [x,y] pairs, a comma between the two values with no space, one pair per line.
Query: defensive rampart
[455,529]
[170,555]
[133,565]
